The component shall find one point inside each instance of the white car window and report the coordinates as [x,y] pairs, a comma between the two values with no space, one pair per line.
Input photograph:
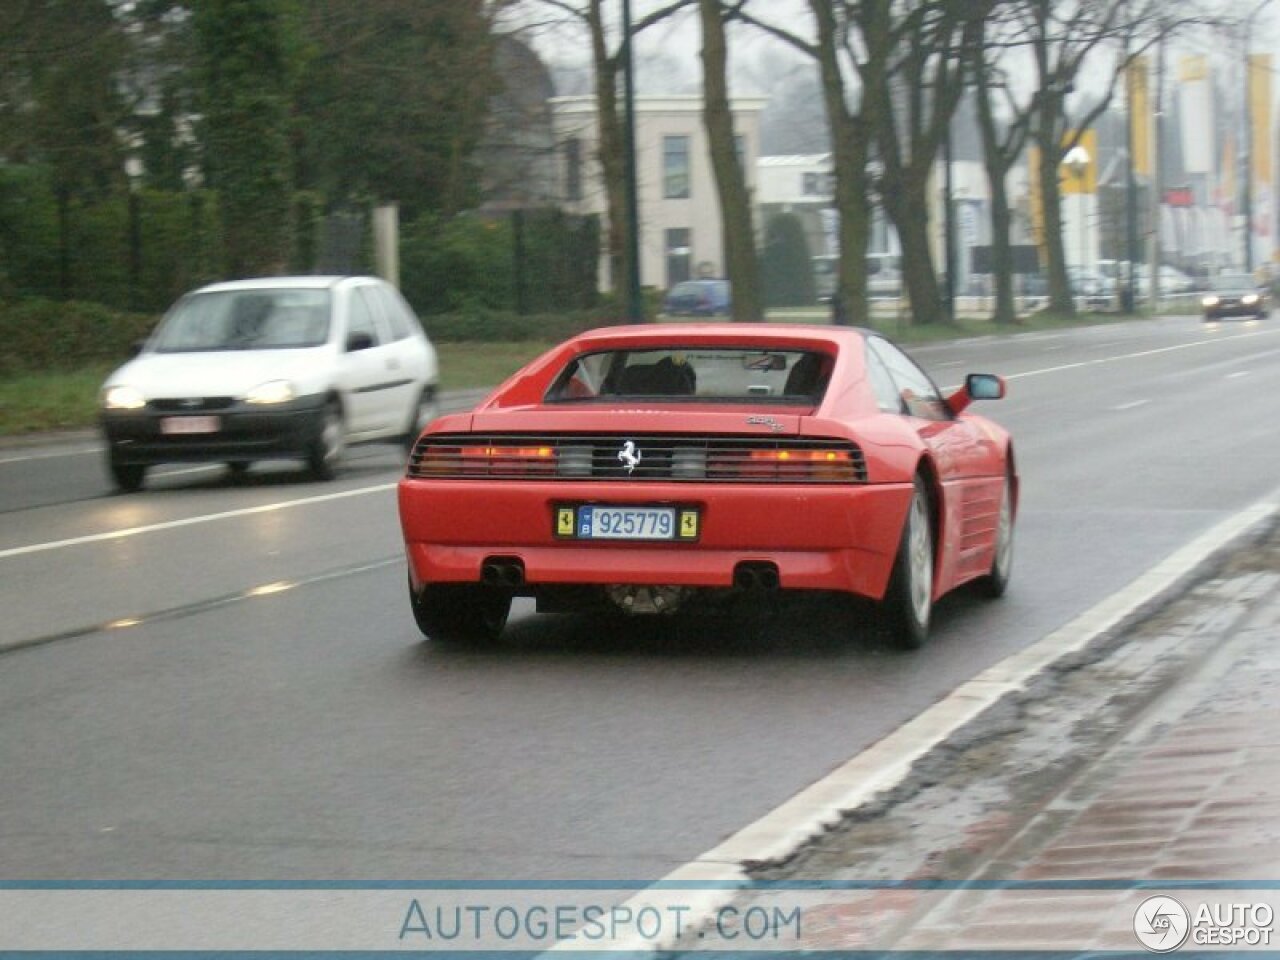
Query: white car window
[360,316]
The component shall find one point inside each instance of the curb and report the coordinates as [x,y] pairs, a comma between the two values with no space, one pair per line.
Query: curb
[710,881]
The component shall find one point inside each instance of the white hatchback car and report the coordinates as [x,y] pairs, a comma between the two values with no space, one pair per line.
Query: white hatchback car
[275,368]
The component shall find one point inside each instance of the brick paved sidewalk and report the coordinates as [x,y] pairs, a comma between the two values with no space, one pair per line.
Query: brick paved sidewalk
[1189,797]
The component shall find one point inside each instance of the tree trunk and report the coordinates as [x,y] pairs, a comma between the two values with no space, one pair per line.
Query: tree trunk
[1005,312]
[1060,300]
[849,301]
[741,263]
[908,208]
[611,156]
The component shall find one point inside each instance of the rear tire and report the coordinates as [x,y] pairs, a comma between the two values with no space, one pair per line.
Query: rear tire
[128,477]
[462,613]
[908,605]
[325,453]
[238,468]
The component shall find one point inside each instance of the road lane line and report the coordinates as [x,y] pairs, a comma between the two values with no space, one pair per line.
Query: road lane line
[201,606]
[709,882]
[51,454]
[1131,406]
[1238,373]
[193,521]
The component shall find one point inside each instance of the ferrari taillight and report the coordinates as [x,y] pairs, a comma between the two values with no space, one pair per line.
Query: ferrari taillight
[487,460]
[783,464]
[507,461]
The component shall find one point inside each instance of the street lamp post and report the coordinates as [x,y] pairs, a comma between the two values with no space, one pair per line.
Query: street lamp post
[1077,162]
[635,303]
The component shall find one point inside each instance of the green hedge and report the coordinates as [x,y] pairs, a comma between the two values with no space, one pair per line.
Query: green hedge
[46,335]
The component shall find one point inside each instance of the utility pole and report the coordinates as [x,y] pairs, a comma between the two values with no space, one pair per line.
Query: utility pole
[949,226]
[1247,140]
[1128,299]
[635,303]
[1157,176]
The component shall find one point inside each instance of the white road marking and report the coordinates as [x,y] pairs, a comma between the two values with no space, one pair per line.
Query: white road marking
[1131,406]
[1238,373]
[50,454]
[1130,356]
[706,884]
[193,521]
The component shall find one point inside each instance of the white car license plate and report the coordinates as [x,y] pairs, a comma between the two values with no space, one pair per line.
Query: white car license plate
[626,523]
[172,426]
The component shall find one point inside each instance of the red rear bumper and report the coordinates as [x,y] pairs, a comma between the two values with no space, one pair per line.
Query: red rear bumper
[839,537]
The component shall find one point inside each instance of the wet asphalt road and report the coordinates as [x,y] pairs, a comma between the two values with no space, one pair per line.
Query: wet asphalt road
[233,687]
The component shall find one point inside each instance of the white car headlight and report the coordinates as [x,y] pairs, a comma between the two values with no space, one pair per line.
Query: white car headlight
[1209,301]
[123,398]
[1249,298]
[273,391]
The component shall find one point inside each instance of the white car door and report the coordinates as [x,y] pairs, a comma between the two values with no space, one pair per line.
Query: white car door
[362,365]
[405,359]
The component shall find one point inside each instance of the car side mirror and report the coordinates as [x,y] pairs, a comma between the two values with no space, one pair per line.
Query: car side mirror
[359,341]
[977,386]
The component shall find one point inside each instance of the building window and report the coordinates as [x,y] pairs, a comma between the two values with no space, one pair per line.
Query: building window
[675,168]
[810,187]
[573,170]
[740,151]
[679,255]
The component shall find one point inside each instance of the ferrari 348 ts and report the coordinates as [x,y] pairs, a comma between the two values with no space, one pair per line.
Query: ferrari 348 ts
[647,467]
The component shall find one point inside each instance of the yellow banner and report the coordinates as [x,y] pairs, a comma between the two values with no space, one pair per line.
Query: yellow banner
[1139,86]
[1260,116]
[1080,165]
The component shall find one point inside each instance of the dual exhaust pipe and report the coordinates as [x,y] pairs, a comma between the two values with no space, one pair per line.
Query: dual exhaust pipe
[504,572]
[751,576]
[756,577]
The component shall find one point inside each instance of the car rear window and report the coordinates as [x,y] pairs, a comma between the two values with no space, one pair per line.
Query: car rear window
[751,374]
[245,320]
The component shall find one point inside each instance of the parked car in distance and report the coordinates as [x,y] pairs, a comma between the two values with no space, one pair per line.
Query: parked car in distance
[650,468]
[698,298]
[1234,295]
[274,368]
[1097,290]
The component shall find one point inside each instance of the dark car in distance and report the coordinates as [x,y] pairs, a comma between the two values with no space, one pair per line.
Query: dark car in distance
[1234,295]
[698,298]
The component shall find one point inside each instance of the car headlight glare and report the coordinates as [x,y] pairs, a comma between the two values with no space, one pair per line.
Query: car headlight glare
[1209,301]
[1249,298]
[123,398]
[273,391]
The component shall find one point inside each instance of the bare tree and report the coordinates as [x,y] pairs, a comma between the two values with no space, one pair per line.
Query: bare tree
[742,266]
[840,68]
[607,62]
[1065,39]
[916,92]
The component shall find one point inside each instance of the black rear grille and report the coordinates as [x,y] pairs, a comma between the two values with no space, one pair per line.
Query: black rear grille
[191,404]
[637,458]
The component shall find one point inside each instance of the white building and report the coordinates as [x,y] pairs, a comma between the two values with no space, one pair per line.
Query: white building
[680,223]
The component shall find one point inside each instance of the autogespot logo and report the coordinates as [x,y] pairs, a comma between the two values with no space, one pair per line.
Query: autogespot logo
[1161,924]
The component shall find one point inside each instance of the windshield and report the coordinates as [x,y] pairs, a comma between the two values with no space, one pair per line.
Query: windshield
[1234,281]
[733,374]
[245,320]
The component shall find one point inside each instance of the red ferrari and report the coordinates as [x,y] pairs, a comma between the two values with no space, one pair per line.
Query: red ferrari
[651,467]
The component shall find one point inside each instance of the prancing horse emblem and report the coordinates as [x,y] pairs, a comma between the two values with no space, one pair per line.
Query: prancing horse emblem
[630,456]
